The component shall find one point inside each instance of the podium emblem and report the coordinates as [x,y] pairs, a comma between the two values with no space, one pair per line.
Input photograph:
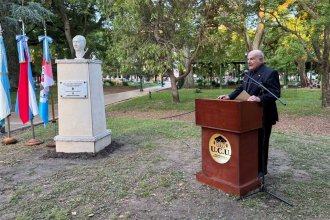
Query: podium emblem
[220,149]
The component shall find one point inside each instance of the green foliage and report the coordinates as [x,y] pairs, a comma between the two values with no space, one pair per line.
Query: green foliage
[288,52]
[215,84]
[108,83]
[32,13]
[148,36]
[201,83]
[309,23]
[83,21]
[230,82]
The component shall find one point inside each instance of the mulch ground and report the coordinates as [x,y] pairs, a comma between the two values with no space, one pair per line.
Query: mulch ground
[117,89]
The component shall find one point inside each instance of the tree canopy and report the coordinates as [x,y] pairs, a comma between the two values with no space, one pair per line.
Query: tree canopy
[150,37]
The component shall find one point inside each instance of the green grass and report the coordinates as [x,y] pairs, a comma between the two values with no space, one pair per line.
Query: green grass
[162,101]
[299,102]
[120,178]
[302,102]
[309,156]
[149,129]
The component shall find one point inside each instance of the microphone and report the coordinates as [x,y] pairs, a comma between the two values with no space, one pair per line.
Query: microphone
[263,87]
[243,73]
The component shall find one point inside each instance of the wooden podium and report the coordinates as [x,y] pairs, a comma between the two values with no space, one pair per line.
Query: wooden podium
[229,144]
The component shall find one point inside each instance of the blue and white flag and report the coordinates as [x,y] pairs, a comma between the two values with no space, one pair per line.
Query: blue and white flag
[5,101]
[47,78]
[26,102]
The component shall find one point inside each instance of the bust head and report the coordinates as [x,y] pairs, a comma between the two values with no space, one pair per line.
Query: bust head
[79,43]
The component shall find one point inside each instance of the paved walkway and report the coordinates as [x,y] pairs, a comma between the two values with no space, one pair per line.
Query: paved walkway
[16,124]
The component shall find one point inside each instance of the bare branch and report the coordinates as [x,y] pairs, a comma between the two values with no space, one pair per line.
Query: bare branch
[308,9]
[199,40]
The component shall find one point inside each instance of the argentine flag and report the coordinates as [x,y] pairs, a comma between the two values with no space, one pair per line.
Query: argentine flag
[5,102]
[26,102]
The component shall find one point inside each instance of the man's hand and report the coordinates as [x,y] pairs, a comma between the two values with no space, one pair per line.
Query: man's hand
[254,99]
[224,97]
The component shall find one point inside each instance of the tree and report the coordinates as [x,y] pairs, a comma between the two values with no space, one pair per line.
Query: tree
[12,12]
[189,79]
[157,33]
[289,54]
[77,17]
[313,16]
[246,18]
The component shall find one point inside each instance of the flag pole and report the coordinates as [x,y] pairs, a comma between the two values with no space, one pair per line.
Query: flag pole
[32,141]
[52,144]
[52,101]
[7,140]
[32,126]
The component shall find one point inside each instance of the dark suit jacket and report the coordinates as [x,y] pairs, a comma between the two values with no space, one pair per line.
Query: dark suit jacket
[268,78]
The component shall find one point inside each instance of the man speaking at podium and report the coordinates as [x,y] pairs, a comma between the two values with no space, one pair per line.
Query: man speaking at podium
[269,79]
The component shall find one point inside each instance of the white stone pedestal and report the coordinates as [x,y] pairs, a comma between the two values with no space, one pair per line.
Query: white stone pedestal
[81,109]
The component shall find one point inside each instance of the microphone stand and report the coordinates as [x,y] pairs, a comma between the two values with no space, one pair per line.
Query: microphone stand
[262,187]
[264,88]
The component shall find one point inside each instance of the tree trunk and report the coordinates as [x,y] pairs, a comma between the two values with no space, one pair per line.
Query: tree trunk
[189,79]
[258,37]
[247,41]
[67,28]
[12,57]
[325,67]
[259,32]
[325,85]
[174,88]
[301,72]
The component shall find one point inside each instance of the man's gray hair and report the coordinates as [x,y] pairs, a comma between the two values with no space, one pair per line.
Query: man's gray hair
[258,53]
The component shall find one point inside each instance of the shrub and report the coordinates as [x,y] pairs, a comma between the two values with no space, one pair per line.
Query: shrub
[201,83]
[231,83]
[215,84]
[108,82]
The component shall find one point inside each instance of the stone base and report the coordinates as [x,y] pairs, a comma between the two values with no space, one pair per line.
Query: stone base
[83,144]
[9,140]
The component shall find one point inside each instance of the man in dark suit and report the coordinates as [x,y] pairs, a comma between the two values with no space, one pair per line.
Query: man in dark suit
[268,78]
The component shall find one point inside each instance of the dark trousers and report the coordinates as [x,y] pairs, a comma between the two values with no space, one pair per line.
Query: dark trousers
[263,147]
